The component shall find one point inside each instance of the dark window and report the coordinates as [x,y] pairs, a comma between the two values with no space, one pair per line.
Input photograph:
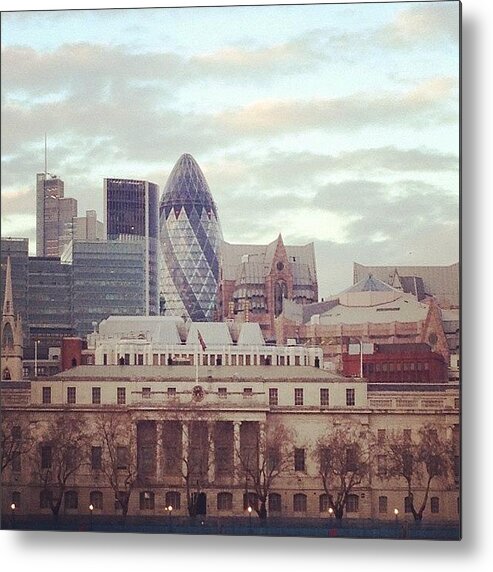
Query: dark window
[275,504]
[46,455]
[323,503]
[250,499]
[96,499]
[46,395]
[71,395]
[273,396]
[352,503]
[120,396]
[71,500]
[122,457]
[350,397]
[299,459]
[382,504]
[171,392]
[381,436]
[435,505]
[173,499]
[324,396]
[146,500]
[45,498]
[16,463]
[298,396]
[16,499]
[407,504]
[146,392]
[224,501]
[16,433]
[299,502]
[351,459]
[96,457]
[382,465]
[247,392]
[96,395]
[222,392]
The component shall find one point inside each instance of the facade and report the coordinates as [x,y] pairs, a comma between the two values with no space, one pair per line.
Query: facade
[108,278]
[131,214]
[371,311]
[190,237]
[184,440]
[11,339]
[441,282]
[256,281]
[53,212]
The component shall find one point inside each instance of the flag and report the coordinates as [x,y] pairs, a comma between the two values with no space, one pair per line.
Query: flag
[201,340]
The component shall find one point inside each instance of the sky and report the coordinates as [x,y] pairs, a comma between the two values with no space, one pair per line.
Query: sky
[334,123]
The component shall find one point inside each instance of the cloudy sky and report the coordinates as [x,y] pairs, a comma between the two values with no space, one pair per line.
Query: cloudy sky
[335,123]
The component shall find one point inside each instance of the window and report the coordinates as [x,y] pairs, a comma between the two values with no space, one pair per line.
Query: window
[16,499]
[122,455]
[16,433]
[247,392]
[71,395]
[140,359]
[351,459]
[45,498]
[16,463]
[352,503]
[222,392]
[146,392]
[299,459]
[46,455]
[381,434]
[120,396]
[382,505]
[96,396]
[435,505]
[224,501]
[250,499]
[105,359]
[146,500]
[275,504]
[382,465]
[120,500]
[324,396]
[350,397]
[299,502]
[71,500]
[96,499]
[171,392]
[46,395]
[407,504]
[173,499]
[71,458]
[273,396]
[298,396]
[324,503]
[96,458]
[324,460]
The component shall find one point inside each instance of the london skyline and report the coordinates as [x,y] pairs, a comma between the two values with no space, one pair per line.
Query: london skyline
[285,121]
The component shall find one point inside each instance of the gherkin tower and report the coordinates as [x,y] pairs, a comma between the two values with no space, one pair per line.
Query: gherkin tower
[190,239]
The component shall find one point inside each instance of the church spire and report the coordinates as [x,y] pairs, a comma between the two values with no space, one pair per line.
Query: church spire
[8,301]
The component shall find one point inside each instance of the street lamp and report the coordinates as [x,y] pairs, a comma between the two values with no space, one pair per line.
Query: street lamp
[331,512]
[396,512]
[36,343]
[12,512]
[249,509]
[170,508]
[91,508]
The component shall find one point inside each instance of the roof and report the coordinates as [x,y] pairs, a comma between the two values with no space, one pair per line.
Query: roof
[176,372]
[209,333]
[162,329]
[370,284]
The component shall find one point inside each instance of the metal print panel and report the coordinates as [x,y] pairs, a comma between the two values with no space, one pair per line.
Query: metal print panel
[230,270]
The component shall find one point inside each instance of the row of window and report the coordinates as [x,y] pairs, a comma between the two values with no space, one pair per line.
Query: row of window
[207,359]
[121,395]
[224,501]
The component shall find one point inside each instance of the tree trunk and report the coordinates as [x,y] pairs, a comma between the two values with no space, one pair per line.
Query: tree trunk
[262,511]
[339,512]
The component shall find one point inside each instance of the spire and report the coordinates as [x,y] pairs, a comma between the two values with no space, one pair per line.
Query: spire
[8,301]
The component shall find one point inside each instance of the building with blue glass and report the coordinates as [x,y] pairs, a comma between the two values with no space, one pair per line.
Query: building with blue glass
[190,240]
[131,215]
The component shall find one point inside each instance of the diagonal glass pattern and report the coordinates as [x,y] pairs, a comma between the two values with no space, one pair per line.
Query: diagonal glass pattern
[190,239]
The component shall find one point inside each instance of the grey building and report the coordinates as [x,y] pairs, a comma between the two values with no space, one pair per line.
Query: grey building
[131,214]
[108,278]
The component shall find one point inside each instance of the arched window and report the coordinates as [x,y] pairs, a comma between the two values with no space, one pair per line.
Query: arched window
[96,499]
[224,501]
[324,503]
[299,502]
[280,292]
[6,374]
[173,499]
[8,337]
[45,498]
[352,503]
[146,500]
[275,504]
[71,500]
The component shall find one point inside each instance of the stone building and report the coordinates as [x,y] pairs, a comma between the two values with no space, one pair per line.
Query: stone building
[11,340]
[184,440]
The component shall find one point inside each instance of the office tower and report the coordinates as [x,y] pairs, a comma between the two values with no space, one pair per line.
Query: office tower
[53,212]
[190,239]
[82,228]
[108,279]
[131,214]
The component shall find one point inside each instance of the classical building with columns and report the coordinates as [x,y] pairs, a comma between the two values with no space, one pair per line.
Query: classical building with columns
[186,435]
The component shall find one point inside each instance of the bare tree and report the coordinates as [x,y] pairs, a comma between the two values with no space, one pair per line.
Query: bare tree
[15,440]
[119,455]
[260,465]
[419,462]
[343,461]
[60,455]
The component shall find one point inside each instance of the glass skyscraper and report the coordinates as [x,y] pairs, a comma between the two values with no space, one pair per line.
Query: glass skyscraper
[190,237]
[131,214]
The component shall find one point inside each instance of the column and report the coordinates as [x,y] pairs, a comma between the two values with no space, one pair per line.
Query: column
[212,452]
[236,449]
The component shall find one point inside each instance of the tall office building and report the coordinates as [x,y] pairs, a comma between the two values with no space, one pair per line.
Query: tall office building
[190,237]
[53,212]
[82,228]
[131,214]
